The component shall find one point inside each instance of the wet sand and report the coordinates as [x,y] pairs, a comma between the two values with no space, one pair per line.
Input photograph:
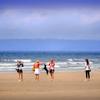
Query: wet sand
[65,86]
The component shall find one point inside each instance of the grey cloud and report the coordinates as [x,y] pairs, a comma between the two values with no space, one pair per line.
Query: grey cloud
[56,24]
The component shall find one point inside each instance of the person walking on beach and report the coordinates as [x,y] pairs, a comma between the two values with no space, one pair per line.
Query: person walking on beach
[52,68]
[87,69]
[20,70]
[37,69]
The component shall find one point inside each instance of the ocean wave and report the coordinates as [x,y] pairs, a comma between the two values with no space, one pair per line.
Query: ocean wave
[6,66]
[30,63]
[23,60]
[15,60]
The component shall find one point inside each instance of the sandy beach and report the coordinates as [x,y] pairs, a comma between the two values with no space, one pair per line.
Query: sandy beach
[65,86]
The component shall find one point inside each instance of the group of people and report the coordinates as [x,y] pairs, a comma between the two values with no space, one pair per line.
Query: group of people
[49,70]
[36,69]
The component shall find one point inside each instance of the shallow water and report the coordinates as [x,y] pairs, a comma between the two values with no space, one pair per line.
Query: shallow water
[64,60]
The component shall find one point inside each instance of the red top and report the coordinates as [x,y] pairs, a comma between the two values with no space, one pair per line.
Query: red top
[36,65]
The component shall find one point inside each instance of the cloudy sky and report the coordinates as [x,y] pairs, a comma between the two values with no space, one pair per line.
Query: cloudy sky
[58,19]
[50,19]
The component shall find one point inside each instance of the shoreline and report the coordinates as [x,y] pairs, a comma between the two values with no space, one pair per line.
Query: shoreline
[57,70]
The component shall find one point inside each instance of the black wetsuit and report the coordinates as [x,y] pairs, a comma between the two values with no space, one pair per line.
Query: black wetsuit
[45,68]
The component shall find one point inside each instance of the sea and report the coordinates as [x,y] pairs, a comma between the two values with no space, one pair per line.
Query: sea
[64,61]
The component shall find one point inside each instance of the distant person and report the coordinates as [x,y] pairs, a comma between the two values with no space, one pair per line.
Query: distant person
[45,68]
[20,70]
[37,69]
[52,68]
[87,69]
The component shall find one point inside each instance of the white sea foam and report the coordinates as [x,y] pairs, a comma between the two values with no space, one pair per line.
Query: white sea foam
[7,64]
[23,60]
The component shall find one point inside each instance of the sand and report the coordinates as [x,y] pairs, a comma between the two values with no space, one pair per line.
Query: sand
[65,86]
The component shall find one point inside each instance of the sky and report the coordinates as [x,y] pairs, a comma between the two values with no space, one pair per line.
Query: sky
[50,19]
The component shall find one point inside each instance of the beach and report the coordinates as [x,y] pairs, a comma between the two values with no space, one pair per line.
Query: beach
[69,85]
